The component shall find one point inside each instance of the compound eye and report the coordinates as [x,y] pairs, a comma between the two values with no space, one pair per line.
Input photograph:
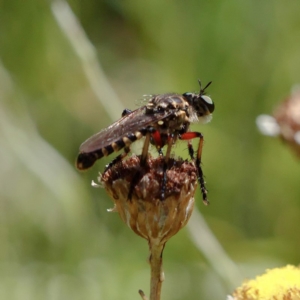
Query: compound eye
[208,103]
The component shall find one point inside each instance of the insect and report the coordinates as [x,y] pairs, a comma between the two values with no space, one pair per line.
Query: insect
[165,119]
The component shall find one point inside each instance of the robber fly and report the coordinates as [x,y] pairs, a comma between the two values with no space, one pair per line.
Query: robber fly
[162,121]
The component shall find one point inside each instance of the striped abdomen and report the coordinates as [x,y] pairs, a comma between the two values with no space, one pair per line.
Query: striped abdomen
[87,158]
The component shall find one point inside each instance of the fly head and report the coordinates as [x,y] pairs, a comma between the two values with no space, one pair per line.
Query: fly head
[201,104]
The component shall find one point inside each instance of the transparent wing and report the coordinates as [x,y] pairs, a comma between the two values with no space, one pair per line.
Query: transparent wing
[130,123]
[143,100]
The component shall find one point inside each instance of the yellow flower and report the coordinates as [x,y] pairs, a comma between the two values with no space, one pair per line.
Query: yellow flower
[275,284]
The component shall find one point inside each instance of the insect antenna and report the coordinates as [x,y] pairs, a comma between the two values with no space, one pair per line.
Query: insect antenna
[202,91]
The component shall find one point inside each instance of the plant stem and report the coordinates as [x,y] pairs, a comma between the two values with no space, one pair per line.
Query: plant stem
[157,274]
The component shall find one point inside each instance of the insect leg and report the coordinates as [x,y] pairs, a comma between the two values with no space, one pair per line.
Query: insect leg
[165,166]
[125,143]
[159,140]
[147,132]
[143,161]
[189,136]
[118,158]
[160,152]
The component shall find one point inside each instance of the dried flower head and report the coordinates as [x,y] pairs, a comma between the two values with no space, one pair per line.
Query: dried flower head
[145,213]
[287,116]
[285,121]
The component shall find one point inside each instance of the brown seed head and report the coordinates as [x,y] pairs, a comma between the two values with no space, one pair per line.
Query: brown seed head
[145,213]
[287,116]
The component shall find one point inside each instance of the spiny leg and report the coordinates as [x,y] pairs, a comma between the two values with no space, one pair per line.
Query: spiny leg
[161,139]
[200,177]
[188,136]
[118,158]
[145,150]
[165,166]
[143,161]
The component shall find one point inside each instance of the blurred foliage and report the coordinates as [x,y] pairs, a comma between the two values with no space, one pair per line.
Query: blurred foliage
[57,240]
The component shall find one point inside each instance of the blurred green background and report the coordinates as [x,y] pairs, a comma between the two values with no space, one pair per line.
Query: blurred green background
[57,240]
